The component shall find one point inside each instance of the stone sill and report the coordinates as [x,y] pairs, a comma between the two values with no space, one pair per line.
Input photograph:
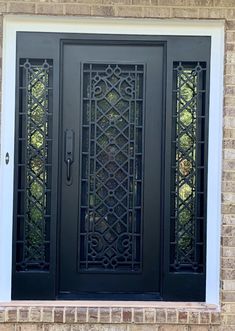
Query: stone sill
[118,312]
[109,303]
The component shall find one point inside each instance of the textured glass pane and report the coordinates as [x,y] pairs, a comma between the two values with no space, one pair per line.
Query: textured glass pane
[33,165]
[110,223]
[187,166]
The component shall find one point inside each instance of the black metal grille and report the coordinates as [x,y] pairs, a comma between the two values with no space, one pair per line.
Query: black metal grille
[111,170]
[34,165]
[188,167]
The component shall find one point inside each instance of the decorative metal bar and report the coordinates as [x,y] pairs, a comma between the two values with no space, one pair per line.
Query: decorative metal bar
[111,167]
[34,165]
[188,167]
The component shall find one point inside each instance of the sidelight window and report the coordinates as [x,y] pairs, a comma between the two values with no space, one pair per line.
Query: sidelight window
[34,166]
[188,186]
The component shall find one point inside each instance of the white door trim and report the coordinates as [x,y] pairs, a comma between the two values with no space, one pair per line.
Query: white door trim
[215,29]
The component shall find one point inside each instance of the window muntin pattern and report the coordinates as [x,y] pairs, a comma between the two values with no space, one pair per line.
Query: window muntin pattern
[112,167]
[188,184]
[34,165]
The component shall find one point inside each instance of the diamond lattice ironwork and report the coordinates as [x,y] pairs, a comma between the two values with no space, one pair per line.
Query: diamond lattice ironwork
[33,210]
[187,210]
[111,170]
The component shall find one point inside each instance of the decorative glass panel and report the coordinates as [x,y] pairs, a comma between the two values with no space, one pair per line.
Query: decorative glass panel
[188,167]
[34,165]
[111,167]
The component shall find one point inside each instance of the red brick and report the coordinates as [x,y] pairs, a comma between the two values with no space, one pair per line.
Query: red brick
[182,317]
[127,315]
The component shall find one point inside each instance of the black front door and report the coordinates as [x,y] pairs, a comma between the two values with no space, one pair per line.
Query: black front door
[111,169]
[110,166]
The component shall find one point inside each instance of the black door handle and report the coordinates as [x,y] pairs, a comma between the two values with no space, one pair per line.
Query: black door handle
[68,162]
[69,154]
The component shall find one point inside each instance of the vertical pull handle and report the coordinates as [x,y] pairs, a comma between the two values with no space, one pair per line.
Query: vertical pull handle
[68,162]
[69,154]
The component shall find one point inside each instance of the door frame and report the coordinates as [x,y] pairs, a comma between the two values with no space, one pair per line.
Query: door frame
[215,29]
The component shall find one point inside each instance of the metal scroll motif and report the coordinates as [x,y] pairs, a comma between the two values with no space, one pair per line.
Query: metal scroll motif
[188,167]
[34,166]
[111,167]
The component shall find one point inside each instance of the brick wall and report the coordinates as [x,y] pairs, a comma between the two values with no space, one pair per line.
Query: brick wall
[200,318]
[197,9]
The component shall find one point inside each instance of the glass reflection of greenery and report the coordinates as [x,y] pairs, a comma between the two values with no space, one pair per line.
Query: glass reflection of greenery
[37,131]
[187,82]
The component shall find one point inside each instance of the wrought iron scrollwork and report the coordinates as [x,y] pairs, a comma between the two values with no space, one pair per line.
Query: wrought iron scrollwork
[34,166]
[188,167]
[112,167]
